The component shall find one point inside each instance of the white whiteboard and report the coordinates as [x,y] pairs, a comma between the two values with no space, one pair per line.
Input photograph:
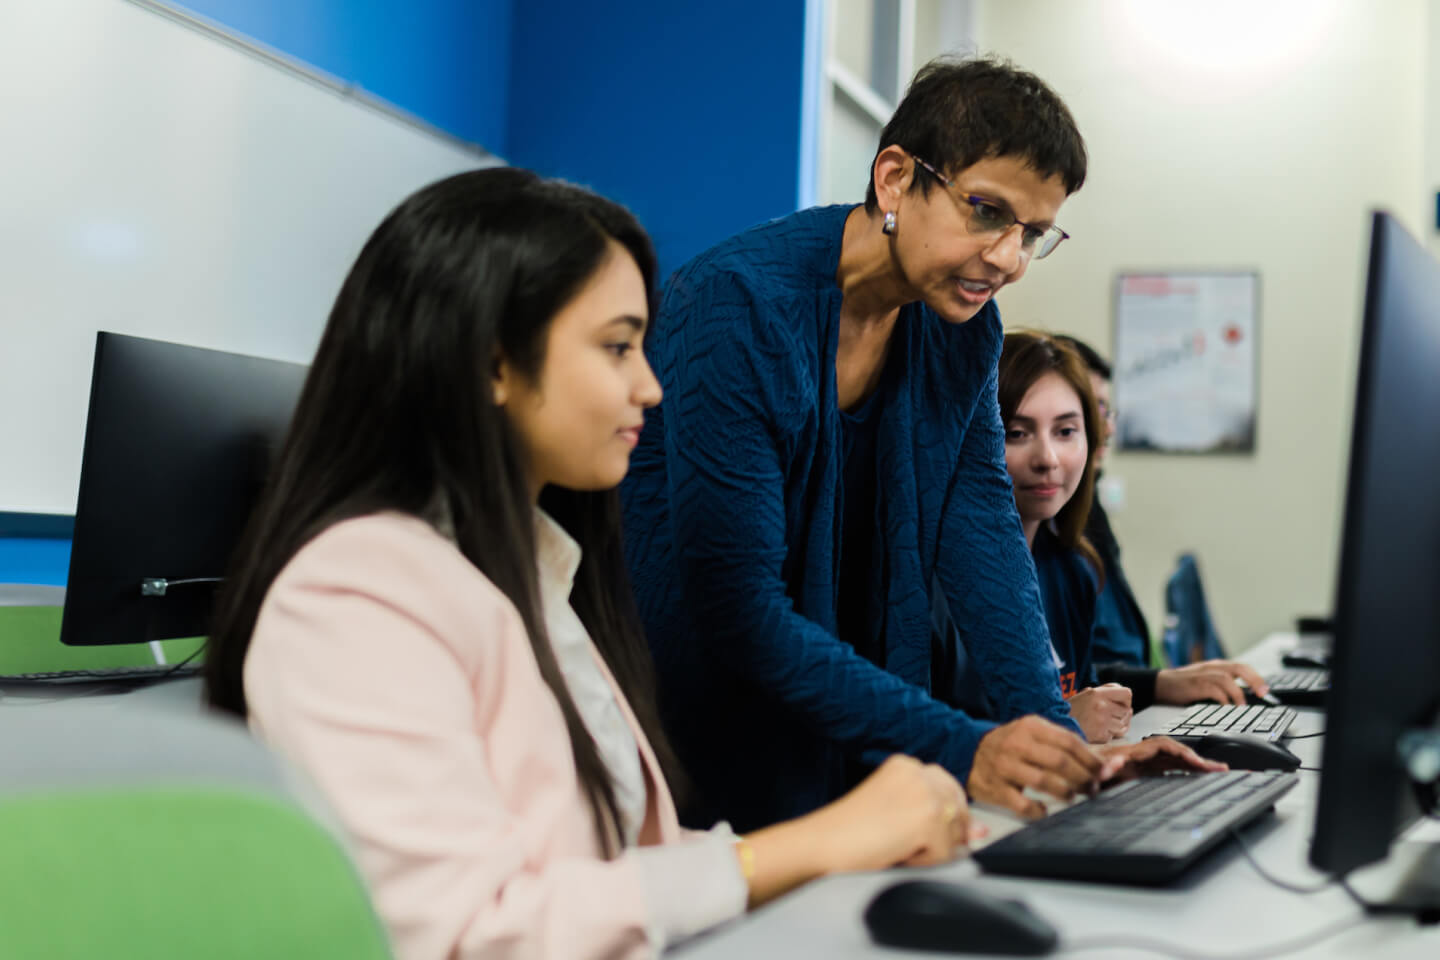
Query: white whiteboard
[157,181]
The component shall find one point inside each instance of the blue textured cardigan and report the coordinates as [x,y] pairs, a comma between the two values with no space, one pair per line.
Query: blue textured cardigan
[732,519]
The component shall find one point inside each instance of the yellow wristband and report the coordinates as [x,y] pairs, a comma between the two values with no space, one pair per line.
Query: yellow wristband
[746,855]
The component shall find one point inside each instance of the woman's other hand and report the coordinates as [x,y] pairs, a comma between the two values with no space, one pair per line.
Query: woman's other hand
[1103,712]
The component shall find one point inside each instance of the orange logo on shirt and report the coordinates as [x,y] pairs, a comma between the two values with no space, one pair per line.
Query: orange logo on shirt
[1067,684]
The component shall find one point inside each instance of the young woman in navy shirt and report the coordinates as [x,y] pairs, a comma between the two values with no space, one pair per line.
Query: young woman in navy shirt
[1053,430]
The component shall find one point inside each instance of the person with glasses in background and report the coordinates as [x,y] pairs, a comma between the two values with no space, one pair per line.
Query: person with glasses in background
[1120,638]
[819,525]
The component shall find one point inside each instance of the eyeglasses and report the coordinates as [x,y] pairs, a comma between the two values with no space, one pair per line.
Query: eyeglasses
[1107,412]
[992,217]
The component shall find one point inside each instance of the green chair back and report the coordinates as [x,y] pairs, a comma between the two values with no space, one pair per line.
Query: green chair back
[156,871]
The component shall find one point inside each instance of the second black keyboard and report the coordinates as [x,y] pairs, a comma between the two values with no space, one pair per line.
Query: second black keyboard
[1144,831]
[139,673]
[1268,722]
[1304,688]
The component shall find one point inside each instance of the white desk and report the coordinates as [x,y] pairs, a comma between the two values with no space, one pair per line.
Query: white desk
[1221,906]
[100,699]
[88,733]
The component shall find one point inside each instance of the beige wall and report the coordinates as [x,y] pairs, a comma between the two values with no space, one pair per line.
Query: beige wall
[1228,134]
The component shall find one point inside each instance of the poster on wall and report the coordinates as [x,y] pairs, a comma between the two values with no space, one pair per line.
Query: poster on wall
[1186,361]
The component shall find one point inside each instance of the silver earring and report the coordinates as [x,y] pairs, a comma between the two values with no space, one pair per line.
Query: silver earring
[888,227]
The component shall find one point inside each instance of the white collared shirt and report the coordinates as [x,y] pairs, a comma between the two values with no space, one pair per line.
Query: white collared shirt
[559,558]
[689,886]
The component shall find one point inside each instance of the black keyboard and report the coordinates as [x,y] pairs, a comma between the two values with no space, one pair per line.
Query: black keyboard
[1303,688]
[132,674]
[1144,831]
[1268,722]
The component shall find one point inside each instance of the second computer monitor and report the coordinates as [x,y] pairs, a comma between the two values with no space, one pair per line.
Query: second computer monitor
[1386,660]
[177,446]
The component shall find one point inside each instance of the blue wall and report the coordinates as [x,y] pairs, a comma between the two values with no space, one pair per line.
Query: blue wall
[446,61]
[687,113]
[34,560]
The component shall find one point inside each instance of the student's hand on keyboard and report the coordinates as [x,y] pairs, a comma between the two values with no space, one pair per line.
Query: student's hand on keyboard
[1103,712]
[1035,753]
[1125,761]
[1208,680]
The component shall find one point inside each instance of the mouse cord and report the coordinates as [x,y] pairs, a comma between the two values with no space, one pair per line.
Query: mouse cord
[181,665]
[1183,953]
[1306,736]
[1274,880]
[112,685]
[1274,950]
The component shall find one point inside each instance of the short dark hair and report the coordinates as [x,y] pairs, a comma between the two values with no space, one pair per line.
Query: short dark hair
[1095,363]
[959,112]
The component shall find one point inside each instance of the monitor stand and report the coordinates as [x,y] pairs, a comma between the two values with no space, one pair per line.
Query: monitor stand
[1411,871]
[1407,883]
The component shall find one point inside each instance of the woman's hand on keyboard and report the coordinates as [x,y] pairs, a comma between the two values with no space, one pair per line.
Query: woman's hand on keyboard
[1035,753]
[1123,761]
[1208,680]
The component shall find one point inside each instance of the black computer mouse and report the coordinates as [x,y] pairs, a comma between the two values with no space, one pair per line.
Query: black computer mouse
[951,918]
[1242,751]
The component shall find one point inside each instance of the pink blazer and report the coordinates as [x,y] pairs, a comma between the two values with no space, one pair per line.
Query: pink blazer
[402,681]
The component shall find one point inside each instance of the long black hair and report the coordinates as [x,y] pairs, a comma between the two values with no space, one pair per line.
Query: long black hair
[398,413]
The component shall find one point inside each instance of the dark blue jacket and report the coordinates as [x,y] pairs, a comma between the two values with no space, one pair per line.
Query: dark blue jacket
[1073,601]
[1121,635]
[732,518]
[1069,587]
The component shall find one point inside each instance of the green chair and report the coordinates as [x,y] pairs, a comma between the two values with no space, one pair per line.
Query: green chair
[134,832]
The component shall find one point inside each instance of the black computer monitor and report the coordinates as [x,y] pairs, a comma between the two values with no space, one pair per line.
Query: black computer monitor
[1386,660]
[177,445]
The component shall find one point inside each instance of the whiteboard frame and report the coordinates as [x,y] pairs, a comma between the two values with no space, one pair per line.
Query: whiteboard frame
[1248,449]
[306,72]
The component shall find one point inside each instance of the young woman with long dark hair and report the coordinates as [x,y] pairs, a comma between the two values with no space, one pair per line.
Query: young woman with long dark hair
[1053,433]
[429,612]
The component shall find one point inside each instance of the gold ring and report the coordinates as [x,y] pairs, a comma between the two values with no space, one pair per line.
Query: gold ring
[950,812]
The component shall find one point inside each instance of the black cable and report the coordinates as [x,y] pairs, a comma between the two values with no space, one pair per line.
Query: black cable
[1273,950]
[1274,880]
[1306,736]
[1182,953]
[134,683]
[160,586]
[1360,901]
[193,654]
[167,674]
